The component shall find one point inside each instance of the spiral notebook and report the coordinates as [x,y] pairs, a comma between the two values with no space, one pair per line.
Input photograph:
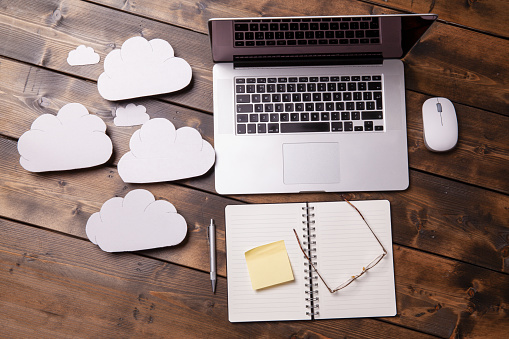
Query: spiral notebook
[341,245]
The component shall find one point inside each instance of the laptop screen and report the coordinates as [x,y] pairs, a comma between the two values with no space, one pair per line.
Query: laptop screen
[343,39]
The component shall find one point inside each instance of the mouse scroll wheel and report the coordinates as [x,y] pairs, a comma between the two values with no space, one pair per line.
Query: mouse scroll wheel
[439,107]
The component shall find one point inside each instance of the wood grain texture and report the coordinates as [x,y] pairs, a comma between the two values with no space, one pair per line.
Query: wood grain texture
[50,29]
[450,228]
[435,209]
[431,215]
[142,295]
[487,16]
[439,66]
[468,292]
[480,157]
[127,295]
[194,15]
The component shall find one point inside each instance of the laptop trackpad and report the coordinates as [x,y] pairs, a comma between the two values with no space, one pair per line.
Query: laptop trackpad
[311,163]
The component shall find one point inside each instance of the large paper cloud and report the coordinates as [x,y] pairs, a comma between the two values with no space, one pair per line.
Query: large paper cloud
[72,139]
[131,115]
[141,68]
[136,222]
[161,153]
[83,55]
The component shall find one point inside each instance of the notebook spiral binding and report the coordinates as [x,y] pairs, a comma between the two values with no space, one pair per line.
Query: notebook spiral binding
[310,247]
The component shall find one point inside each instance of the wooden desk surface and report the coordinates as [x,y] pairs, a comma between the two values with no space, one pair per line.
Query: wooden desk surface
[450,228]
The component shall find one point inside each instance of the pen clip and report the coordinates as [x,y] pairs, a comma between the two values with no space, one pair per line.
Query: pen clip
[208,235]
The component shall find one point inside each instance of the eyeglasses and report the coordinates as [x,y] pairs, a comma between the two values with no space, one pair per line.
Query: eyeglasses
[372,264]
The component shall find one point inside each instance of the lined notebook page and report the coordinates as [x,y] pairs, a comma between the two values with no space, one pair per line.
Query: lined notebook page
[344,245]
[249,226]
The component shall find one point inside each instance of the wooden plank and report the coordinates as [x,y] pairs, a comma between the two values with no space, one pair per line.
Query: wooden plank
[480,158]
[436,208]
[487,16]
[439,66]
[432,215]
[456,300]
[194,15]
[51,284]
[436,215]
[482,151]
[57,281]
[50,29]
[74,196]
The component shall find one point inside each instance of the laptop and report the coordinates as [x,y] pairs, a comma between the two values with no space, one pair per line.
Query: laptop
[311,104]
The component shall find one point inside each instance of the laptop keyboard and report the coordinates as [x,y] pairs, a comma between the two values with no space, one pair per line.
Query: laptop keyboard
[299,32]
[309,104]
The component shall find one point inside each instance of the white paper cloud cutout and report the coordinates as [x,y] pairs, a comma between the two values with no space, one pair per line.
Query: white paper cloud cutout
[141,68]
[83,55]
[131,115]
[72,139]
[161,153]
[136,222]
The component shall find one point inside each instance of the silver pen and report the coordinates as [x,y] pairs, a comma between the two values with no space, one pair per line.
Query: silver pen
[212,246]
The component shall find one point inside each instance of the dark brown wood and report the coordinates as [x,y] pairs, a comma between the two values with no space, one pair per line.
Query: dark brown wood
[103,294]
[56,23]
[431,215]
[450,228]
[487,16]
[450,295]
[443,69]
[479,160]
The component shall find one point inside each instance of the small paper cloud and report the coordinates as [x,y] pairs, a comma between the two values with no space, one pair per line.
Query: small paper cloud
[131,115]
[83,55]
[136,222]
[72,139]
[141,68]
[161,153]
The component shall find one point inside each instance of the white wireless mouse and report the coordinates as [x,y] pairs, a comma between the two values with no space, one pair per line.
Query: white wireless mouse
[440,124]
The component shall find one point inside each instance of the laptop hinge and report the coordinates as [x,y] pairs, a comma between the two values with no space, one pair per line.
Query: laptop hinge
[307,59]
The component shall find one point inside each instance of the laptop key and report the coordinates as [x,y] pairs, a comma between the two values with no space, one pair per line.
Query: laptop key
[372,115]
[273,128]
[336,126]
[245,108]
[299,127]
[241,129]
[243,98]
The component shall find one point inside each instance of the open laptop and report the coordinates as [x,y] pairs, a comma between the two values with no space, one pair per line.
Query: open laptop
[310,104]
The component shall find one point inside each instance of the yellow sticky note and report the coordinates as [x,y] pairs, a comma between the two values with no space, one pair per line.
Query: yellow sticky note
[269,265]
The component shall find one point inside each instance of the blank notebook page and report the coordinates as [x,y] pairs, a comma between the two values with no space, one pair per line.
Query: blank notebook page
[344,245]
[249,226]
